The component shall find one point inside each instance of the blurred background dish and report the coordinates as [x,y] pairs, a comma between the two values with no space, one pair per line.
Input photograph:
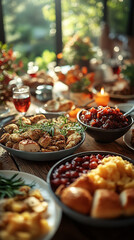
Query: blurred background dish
[127,139]
[59,105]
[126,107]
[54,211]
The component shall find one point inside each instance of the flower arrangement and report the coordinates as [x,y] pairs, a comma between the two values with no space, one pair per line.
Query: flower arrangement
[8,65]
[78,50]
[9,68]
[77,79]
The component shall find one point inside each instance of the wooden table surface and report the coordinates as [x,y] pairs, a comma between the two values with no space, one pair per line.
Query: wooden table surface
[70,229]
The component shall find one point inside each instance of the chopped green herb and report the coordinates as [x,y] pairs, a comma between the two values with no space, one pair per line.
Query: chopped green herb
[62,123]
[9,187]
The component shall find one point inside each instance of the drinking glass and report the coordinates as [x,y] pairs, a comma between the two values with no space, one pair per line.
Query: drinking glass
[21,99]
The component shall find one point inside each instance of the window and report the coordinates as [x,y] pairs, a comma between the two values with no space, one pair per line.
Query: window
[118,12]
[82,17]
[30,26]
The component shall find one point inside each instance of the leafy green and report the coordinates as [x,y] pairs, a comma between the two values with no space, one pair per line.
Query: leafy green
[9,187]
[128,73]
[80,86]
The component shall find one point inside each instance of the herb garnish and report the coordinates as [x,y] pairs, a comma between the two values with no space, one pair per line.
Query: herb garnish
[62,123]
[9,187]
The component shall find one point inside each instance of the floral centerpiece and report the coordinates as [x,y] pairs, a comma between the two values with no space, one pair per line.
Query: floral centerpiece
[78,51]
[79,82]
[8,68]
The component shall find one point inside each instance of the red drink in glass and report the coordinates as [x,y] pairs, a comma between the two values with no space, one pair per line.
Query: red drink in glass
[22,103]
[33,75]
[21,99]
[116,69]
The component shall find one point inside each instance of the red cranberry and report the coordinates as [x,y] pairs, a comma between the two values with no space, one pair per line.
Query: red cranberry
[56,182]
[68,172]
[62,168]
[85,165]
[86,158]
[77,159]
[93,165]
[63,180]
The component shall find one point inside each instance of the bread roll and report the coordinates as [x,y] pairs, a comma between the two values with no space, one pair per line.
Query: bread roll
[83,182]
[78,199]
[106,204]
[127,201]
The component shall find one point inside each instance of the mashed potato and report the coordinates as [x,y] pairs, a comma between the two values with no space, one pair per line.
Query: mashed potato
[113,173]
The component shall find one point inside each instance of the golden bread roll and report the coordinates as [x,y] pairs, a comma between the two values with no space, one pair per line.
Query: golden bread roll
[65,105]
[127,201]
[58,105]
[83,182]
[106,204]
[78,199]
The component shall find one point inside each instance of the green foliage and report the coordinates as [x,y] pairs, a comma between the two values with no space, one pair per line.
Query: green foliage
[8,64]
[128,73]
[45,59]
[118,15]
[30,24]
[81,85]
[28,27]
[78,49]
[82,17]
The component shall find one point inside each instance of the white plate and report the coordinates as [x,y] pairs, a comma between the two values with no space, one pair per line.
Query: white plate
[127,139]
[42,110]
[54,210]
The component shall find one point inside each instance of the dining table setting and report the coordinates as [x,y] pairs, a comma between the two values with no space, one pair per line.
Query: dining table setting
[71,154]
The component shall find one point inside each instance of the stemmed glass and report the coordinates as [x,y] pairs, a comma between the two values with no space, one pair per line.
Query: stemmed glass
[21,99]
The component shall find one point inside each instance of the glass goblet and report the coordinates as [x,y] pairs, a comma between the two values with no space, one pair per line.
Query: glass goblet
[21,99]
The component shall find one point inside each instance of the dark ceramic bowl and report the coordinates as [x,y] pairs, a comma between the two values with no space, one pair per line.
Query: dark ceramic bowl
[81,218]
[105,135]
[43,156]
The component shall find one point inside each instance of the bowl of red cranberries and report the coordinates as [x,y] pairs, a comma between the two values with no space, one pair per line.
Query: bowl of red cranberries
[67,170]
[104,124]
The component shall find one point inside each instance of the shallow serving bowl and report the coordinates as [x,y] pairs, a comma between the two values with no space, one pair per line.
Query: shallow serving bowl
[105,135]
[43,156]
[81,218]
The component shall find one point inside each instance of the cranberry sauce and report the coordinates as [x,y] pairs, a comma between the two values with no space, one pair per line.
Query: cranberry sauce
[71,170]
[104,117]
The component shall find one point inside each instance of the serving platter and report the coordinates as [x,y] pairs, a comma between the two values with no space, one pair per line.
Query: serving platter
[43,156]
[87,220]
[54,211]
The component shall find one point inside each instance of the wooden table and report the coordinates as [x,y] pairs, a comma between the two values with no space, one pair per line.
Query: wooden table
[70,229]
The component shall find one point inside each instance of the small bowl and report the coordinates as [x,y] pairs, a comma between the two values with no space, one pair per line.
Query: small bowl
[105,135]
[43,156]
[81,218]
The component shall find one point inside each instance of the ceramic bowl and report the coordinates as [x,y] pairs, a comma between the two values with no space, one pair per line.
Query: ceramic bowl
[105,135]
[81,218]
